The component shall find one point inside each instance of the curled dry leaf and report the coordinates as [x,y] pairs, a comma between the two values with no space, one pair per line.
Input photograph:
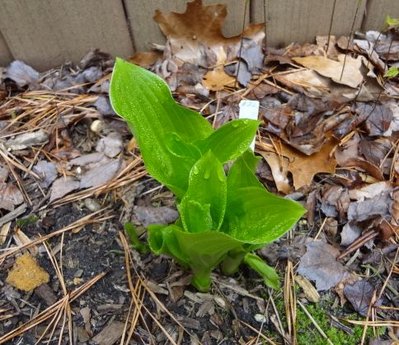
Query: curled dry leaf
[308,289]
[371,201]
[279,167]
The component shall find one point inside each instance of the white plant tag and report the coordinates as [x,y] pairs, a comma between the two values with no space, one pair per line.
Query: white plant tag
[249,110]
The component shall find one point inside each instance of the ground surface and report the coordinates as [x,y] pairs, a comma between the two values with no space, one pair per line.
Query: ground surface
[70,186]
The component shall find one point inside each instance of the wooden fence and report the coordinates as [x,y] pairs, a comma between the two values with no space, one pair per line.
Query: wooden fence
[46,33]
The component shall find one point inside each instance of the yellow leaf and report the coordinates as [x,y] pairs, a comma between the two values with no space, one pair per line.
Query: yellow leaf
[26,274]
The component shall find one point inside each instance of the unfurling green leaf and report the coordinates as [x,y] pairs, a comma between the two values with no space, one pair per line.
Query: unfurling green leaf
[391,23]
[207,186]
[134,239]
[392,72]
[269,274]
[230,140]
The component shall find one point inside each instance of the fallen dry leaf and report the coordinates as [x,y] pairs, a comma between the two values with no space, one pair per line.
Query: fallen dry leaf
[4,171]
[359,295]
[47,172]
[26,274]
[100,174]
[217,80]
[22,74]
[335,201]
[4,230]
[10,196]
[320,265]
[350,232]
[378,118]
[304,168]
[146,59]
[279,167]
[346,71]
[62,186]
[111,145]
[195,36]
[379,205]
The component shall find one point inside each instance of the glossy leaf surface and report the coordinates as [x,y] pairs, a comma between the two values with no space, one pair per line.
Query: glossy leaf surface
[145,102]
[208,187]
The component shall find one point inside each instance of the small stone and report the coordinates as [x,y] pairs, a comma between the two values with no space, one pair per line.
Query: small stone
[220,302]
[260,318]
[92,204]
[78,273]
[97,126]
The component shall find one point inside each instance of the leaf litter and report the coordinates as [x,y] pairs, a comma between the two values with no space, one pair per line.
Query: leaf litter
[327,140]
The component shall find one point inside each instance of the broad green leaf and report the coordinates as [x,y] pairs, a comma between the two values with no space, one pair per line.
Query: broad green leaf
[256,216]
[207,186]
[202,252]
[195,217]
[242,172]
[180,148]
[269,274]
[230,140]
[145,102]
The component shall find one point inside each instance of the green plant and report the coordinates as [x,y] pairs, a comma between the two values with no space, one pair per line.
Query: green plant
[223,216]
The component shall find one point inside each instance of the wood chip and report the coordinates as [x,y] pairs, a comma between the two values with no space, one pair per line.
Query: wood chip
[110,334]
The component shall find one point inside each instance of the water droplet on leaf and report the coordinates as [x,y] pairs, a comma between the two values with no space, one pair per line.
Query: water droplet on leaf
[195,170]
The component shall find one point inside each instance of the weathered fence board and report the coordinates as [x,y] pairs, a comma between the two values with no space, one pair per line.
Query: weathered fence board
[5,54]
[376,12]
[46,33]
[300,21]
[146,31]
